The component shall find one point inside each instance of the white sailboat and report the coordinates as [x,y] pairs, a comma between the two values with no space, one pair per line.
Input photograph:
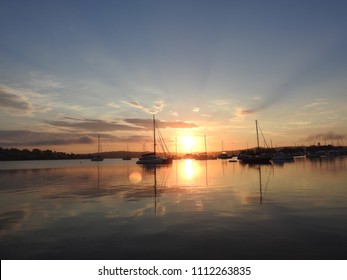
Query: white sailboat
[152,158]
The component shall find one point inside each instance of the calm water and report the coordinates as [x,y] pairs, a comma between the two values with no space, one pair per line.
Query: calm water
[191,210]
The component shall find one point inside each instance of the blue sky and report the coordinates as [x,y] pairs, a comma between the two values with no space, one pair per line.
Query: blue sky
[70,70]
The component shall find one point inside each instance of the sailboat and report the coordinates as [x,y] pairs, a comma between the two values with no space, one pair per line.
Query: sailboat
[204,156]
[258,156]
[152,158]
[223,154]
[98,156]
[127,156]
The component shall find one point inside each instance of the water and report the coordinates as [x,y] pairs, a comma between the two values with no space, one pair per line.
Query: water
[78,209]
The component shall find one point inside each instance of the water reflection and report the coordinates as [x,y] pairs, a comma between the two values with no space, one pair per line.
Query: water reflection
[191,172]
[260,187]
[226,210]
[188,169]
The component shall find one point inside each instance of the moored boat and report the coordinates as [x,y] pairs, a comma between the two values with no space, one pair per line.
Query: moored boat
[153,158]
[224,155]
[127,156]
[258,156]
[98,156]
[280,156]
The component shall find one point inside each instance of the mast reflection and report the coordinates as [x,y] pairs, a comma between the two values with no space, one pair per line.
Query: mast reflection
[260,187]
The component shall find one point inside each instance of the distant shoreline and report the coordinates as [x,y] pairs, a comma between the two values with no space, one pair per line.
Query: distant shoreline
[13,154]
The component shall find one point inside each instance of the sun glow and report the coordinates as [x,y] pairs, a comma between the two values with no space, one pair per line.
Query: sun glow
[188,144]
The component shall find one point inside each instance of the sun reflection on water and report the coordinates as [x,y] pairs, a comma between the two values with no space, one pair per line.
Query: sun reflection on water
[188,169]
[190,172]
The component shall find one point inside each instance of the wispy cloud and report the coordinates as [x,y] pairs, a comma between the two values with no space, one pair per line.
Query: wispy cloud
[196,109]
[315,104]
[221,102]
[92,125]
[300,123]
[45,84]
[27,138]
[20,101]
[113,105]
[14,102]
[148,123]
[157,106]
[240,114]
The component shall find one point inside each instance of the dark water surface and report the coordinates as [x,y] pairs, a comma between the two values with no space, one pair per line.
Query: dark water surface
[189,210]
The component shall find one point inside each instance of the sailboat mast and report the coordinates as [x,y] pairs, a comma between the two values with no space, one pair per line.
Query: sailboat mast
[154,143]
[205,145]
[176,145]
[256,126]
[98,144]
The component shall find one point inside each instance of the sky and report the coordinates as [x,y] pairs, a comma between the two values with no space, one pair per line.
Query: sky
[207,69]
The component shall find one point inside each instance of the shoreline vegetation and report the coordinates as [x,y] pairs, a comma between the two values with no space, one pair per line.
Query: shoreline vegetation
[12,154]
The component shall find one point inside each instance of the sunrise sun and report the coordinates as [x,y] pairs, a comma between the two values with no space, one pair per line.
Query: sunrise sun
[188,143]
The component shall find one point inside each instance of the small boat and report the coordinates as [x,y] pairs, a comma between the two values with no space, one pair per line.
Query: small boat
[152,158]
[233,159]
[256,158]
[127,156]
[204,156]
[223,154]
[98,156]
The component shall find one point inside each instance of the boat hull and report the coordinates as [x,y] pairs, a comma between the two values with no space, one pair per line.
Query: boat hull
[97,158]
[256,159]
[153,159]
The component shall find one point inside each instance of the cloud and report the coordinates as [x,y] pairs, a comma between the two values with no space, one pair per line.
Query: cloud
[148,123]
[133,104]
[240,114]
[92,125]
[45,84]
[196,109]
[314,104]
[159,104]
[157,107]
[113,105]
[246,111]
[27,138]
[221,102]
[13,102]
[20,102]
[300,123]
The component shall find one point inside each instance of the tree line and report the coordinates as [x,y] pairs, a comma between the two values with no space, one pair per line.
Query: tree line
[36,154]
